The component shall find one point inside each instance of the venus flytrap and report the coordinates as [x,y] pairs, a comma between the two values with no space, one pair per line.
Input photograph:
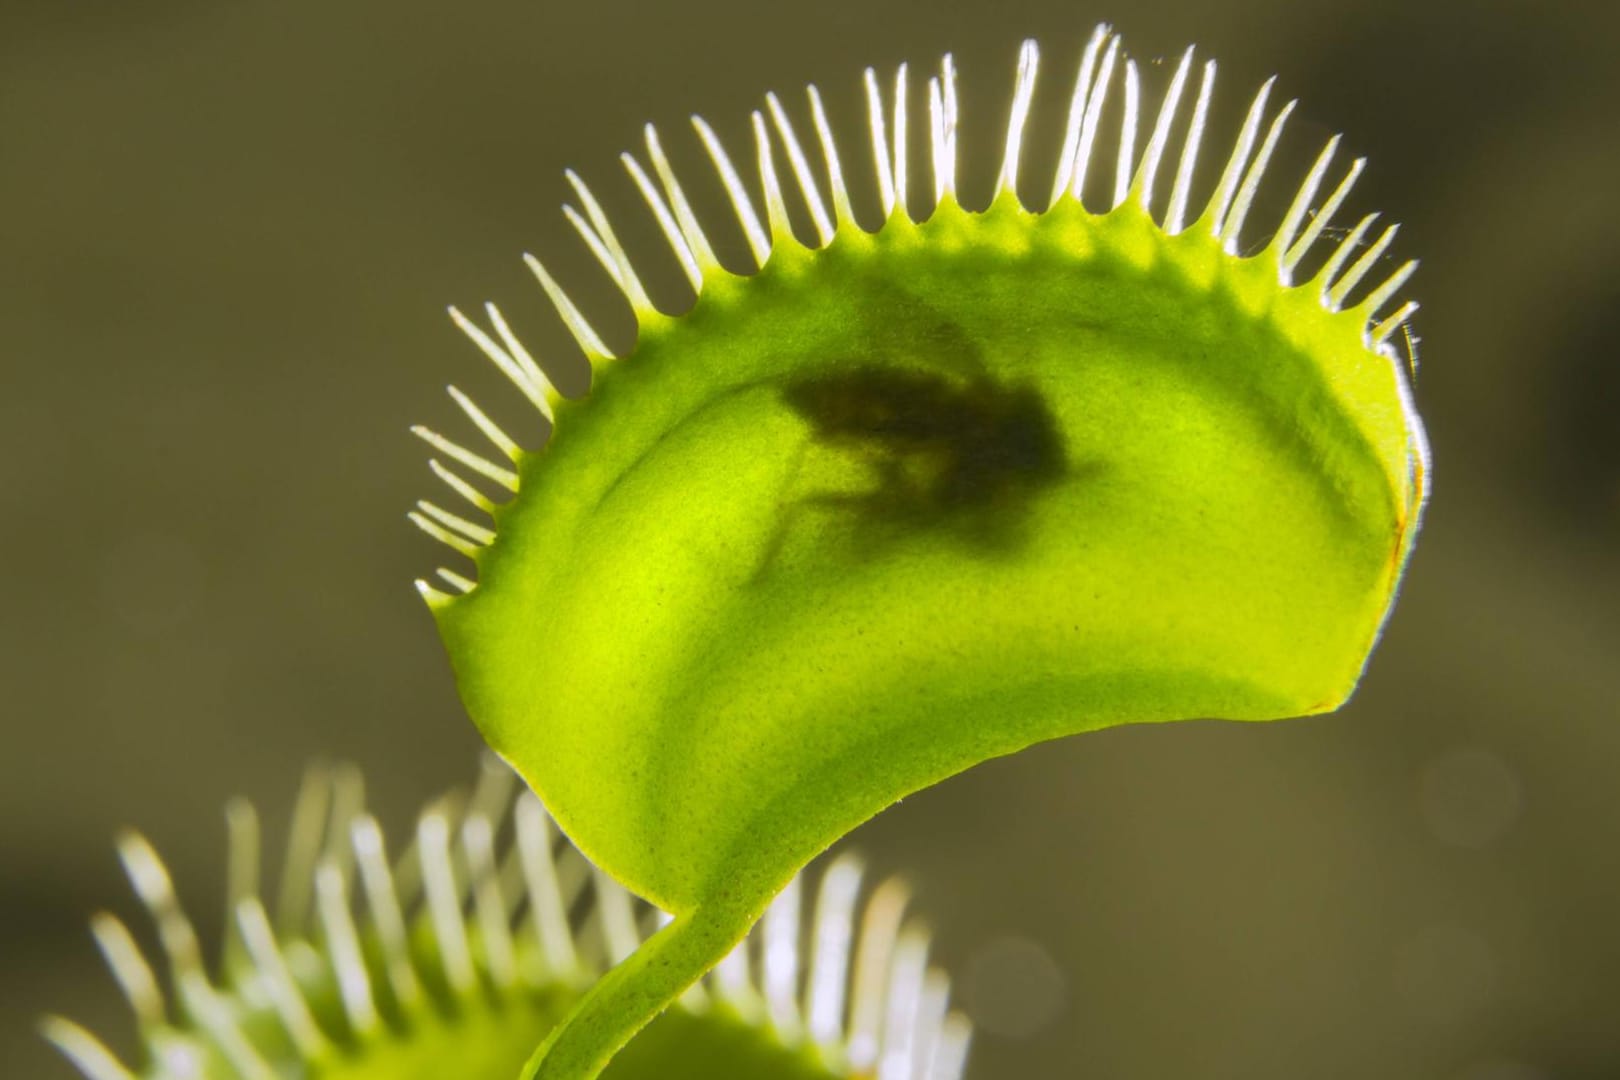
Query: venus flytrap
[899,501]
[454,955]
[889,504]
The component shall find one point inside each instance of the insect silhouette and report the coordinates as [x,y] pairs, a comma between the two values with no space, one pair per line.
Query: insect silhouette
[938,444]
[939,452]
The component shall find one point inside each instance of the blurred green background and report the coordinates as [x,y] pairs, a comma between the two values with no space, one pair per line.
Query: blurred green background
[227,235]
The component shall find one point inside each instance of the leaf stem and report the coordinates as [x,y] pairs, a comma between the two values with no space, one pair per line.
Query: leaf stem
[630,996]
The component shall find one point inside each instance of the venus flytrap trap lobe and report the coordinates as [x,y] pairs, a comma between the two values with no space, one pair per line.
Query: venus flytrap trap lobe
[454,958]
[901,501]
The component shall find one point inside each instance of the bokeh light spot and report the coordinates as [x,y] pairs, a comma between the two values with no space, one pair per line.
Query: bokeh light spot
[1013,988]
[1444,974]
[152,581]
[1502,1069]
[1469,797]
